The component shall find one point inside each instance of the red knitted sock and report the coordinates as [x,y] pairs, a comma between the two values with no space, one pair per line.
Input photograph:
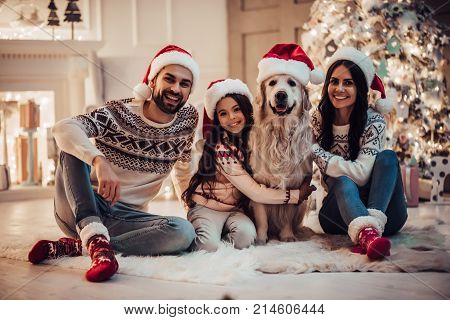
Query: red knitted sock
[104,264]
[46,249]
[375,246]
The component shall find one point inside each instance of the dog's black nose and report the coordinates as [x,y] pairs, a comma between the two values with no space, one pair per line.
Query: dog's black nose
[281,96]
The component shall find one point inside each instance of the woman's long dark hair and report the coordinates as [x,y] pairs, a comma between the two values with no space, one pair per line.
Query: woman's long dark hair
[207,170]
[358,117]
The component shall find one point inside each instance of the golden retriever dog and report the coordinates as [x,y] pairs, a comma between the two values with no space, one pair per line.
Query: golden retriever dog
[280,143]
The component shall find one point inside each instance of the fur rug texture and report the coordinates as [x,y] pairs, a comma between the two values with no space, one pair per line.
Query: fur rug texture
[414,249]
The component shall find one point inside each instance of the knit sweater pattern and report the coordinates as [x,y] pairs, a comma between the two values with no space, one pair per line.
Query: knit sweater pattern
[336,162]
[142,153]
[233,182]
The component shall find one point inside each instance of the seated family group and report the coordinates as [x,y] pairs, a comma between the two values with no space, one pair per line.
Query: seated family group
[254,174]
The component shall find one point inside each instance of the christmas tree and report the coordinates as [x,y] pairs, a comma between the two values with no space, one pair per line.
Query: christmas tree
[406,45]
[72,13]
[53,19]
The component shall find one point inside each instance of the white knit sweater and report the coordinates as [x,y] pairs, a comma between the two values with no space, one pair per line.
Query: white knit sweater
[142,153]
[336,162]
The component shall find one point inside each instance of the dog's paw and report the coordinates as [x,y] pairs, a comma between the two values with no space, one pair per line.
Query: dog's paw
[288,238]
[261,242]
[261,238]
[286,234]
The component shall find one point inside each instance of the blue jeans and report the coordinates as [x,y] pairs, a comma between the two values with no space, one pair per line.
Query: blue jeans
[132,232]
[346,201]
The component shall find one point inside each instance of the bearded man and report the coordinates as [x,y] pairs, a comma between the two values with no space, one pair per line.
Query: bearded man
[102,189]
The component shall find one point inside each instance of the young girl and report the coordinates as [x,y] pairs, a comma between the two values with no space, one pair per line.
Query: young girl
[218,193]
[365,192]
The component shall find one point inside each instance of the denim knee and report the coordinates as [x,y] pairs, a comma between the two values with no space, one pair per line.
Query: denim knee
[67,160]
[64,156]
[344,185]
[184,233]
[386,159]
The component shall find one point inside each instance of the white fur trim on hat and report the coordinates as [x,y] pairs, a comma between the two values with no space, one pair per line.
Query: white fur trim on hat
[271,66]
[376,219]
[92,229]
[174,57]
[141,92]
[220,89]
[358,58]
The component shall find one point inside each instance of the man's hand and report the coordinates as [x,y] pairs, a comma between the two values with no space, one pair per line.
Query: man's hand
[108,182]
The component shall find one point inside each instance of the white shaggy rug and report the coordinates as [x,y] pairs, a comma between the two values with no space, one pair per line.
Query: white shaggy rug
[424,248]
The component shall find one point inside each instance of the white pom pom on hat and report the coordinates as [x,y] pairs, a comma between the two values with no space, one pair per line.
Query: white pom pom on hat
[170,54]
[374,82]
[142,92]
[289,58]
[317,76]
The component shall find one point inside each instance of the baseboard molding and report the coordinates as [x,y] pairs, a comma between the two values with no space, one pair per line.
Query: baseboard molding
[18,193]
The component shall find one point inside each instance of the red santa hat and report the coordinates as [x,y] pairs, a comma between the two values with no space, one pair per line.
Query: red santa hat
[170,54]
[374,82]
[219,89]
[289,59]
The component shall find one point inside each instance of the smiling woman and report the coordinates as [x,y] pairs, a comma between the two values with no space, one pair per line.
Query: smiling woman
[342,93]
[365,192]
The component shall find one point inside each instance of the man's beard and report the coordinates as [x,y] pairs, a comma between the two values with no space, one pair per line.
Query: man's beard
[169,109]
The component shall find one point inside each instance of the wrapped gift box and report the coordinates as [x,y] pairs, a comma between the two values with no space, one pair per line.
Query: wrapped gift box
[410,178]
[22,159]
[425,187]
[440,170]
[29,115]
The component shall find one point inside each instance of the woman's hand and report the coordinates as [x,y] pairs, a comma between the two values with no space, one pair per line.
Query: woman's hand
[108,182]
[305,191]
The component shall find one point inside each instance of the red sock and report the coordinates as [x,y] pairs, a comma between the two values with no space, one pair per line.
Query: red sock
[46,249]
[375,246]
[104,264]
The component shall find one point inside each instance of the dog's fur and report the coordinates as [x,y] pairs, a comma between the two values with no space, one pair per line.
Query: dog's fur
[280,143]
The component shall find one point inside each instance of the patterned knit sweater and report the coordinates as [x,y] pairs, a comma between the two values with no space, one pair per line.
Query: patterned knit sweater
[142,153]
[336,162]
[233,181]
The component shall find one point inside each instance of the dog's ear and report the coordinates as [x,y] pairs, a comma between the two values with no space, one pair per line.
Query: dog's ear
[260,96]
[260,101]
[306,103]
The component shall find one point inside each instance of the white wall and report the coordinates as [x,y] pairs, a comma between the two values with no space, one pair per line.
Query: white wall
[134,30]
[87,29]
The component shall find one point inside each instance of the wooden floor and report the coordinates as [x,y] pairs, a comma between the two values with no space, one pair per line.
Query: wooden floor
[21,280]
